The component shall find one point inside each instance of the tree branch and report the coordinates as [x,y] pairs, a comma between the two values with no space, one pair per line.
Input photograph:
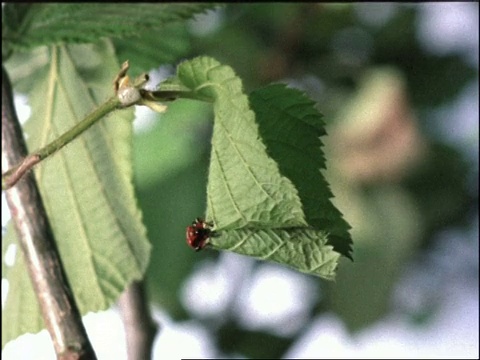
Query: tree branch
[140,329]
[58,307]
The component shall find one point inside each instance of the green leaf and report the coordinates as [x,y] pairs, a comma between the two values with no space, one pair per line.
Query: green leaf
[255,208]
[291,128]
[244,184]
[86,187]
[13,16]
[154,48]
[38,24]
[301,248]
[21,313]
[24,68]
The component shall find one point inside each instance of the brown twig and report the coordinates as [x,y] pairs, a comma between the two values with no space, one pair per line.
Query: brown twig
[57,304]
[140,330]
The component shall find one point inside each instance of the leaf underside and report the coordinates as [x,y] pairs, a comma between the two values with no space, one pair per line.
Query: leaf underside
[303,249]
[86,187]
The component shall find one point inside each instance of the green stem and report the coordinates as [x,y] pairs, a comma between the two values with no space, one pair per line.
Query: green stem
[149,98]
[11,177]
[169,95]
[107,107]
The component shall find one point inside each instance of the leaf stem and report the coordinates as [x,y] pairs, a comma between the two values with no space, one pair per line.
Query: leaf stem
[125,95]
[11,177]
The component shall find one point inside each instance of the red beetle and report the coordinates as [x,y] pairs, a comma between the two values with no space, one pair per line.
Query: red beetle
[198,234]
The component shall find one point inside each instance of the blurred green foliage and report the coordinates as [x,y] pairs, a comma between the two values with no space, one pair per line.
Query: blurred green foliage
[324,49]
[171,187]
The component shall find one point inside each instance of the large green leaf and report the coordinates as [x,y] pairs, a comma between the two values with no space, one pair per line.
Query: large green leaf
[244,184]
[29,25]
[21,313]
[256,208]
[291,128]
[86,187]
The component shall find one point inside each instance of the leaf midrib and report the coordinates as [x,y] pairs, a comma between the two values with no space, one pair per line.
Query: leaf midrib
[55,85]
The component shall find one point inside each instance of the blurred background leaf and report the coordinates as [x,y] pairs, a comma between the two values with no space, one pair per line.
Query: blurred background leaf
[29,25]
[171,181]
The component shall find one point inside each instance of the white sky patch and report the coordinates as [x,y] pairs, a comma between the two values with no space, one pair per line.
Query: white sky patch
[10,255]
[5,286]
[450,27]
[458,122]
[206,292]
[212,286]
[30,346]
[452,334]
[277,299]
[206,23]
[5,211]
[326,338]
[146,118]
[107,335]
[181,340]
[22,108]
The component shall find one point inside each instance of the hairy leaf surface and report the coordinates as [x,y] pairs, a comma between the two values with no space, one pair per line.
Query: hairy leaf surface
[29,25]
